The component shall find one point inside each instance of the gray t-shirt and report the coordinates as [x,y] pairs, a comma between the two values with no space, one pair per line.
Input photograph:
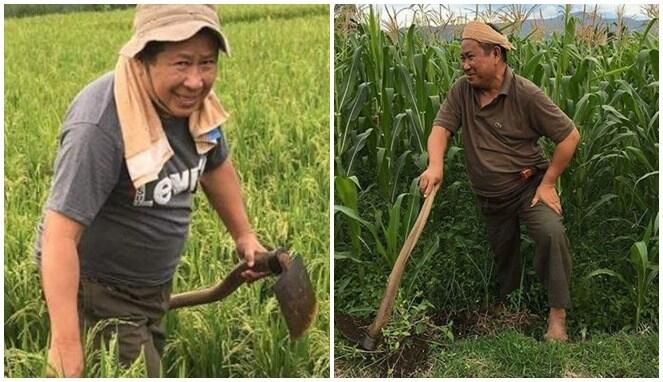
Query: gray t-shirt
[131,236]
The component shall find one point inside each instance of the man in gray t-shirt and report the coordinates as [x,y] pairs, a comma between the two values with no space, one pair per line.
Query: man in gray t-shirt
[108,245]
[92,186]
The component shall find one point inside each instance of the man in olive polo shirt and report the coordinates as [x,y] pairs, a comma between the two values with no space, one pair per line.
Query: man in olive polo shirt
[503,116]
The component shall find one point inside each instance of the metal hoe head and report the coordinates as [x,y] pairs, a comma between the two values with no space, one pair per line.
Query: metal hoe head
[296,297]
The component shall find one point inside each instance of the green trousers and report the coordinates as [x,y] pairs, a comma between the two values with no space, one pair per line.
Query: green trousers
[552,261]
[139,312]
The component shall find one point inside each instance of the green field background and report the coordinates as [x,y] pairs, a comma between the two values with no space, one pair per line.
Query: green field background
[276,87]
[448,321]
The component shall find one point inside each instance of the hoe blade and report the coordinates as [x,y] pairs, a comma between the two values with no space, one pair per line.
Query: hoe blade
[296,298]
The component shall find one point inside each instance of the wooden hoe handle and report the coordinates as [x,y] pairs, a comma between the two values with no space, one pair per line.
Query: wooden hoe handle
[272,262]
[387,304]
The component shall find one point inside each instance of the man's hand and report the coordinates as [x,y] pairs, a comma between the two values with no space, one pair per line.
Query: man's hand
[547,194]
[563,153]
[65,359]
[247,246]
[429,178]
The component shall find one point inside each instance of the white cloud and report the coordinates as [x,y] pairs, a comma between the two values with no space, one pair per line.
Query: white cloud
[630,10]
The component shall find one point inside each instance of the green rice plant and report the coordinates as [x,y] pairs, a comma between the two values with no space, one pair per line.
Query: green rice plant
[28,10]
[20,363]
[104,362]
[100,363]
[229,13]
[279,143]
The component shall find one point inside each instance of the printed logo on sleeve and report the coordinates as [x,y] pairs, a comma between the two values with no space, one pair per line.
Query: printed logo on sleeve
[161,191]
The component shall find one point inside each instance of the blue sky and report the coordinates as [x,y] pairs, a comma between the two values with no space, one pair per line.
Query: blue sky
[546,10]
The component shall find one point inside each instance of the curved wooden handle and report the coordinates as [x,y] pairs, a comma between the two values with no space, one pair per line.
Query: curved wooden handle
[271,262]
[387,304]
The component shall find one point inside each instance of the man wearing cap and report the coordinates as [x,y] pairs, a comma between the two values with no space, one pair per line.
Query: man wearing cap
[134,145]
[503,115]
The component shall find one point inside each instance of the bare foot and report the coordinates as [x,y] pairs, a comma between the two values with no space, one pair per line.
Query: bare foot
[556,326]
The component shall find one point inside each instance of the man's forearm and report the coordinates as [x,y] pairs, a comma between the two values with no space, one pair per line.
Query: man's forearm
[437,146]
[60,278]
[561,157]
[222,188]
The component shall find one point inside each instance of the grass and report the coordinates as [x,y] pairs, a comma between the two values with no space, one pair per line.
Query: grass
[512,354]
[277,91]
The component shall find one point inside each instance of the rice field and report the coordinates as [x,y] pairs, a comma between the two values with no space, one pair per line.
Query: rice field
[389,84]
[276,87]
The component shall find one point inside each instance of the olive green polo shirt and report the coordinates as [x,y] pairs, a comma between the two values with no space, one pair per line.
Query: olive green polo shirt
[501,138]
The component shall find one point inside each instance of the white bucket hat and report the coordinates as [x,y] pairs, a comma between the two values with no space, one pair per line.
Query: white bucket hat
[172,22]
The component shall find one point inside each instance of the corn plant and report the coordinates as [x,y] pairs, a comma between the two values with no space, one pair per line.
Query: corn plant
[389,85]
[346,191]
[386,238]
[642,257]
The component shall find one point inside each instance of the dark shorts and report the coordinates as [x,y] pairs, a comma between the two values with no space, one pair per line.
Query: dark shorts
[133,313]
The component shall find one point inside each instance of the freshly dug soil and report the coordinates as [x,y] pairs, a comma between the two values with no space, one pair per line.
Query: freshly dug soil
[411,357]
[403,363]
[352,328]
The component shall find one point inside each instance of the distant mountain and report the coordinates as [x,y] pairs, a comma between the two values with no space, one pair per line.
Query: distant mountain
[551,25]
[557,24]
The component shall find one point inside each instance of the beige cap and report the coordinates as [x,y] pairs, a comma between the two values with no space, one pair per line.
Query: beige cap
[172,22]
[482,32]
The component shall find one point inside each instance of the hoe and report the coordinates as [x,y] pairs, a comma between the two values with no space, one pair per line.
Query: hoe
[293,289]
[369,339]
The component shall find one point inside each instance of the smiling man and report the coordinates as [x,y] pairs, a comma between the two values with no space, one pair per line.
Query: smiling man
[503,116]
[134,146]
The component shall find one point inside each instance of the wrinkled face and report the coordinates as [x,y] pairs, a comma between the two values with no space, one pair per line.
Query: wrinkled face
[479,67]
[184,73]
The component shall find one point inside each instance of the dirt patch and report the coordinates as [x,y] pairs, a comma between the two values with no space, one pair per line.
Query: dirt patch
[352,328]
[405,362]
[485,321]
[410,358]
